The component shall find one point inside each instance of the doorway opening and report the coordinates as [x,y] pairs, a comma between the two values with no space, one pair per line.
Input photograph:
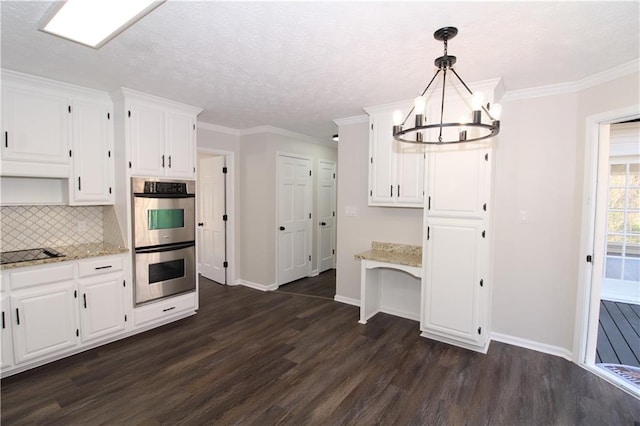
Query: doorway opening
[608,323]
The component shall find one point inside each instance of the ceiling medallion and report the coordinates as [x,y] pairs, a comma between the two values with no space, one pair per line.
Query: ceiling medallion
[469,130]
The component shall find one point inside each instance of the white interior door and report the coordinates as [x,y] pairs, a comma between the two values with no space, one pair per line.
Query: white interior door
[326,215]
[211,224]
[294,218]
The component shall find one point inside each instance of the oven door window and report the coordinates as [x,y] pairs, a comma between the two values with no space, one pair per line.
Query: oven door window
[164,271]
[165,219]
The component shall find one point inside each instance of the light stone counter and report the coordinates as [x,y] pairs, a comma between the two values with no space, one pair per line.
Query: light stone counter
[399,254]
[74,252]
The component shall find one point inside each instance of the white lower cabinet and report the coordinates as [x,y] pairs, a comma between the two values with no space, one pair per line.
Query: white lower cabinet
[452,306]
[7,341]
[102,312]
[43,321]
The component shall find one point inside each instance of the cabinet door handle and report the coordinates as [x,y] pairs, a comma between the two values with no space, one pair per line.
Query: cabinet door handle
[163,161]
[18,316]
[391,186]
[169,309]
[282,228]
[169,161]
[398,190]
[84,300]
[3,325]
[79,184]
[6,139]
[102,267]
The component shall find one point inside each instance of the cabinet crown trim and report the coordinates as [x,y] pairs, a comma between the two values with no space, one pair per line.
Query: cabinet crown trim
[130,94]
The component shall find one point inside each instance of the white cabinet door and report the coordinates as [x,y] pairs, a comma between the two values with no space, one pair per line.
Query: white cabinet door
[147,127]
[44,321]
[381,161]
[180,149]
[101,307]
[457,180]
[452,279]
[7,341]
[92,153]
[36,125]
[396,169]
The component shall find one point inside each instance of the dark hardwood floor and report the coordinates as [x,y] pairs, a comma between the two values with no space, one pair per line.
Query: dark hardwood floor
[322,285]
[250,357]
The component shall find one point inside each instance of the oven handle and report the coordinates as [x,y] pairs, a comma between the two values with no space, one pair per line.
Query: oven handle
[168,247]
[142,195]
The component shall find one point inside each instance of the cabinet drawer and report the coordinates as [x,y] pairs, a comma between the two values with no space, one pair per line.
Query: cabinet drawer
[42,275]
[103,265]
[164,309]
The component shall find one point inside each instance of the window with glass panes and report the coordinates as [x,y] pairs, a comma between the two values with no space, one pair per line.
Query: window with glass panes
[623,227]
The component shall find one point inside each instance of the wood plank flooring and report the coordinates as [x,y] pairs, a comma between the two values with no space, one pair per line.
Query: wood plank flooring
[257,358]
[322,285]
[618,334]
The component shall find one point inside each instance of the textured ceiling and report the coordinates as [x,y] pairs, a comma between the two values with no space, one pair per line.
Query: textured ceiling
[299,65]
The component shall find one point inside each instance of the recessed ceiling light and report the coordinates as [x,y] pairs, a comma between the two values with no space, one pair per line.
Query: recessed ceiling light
[95,22]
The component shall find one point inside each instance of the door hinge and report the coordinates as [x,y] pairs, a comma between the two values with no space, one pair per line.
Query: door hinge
[224,217]
[70,153]
[371,160]
[429,203]
[371,192]
[486,157]
[125,317]
[371,126]
[481,282]
[108,116]
[309,215]
[129,164]
[224,169]
[589,258]
[129,113]
[309,258]
[77,333]
[225,264]
[484,234]
[484,207]
[109,190]
[334,175]
[309,172]
[75,293]
[428,232]
[69,108]
[109,154]
[194,127]
[334,214]
[479,330]
[124,283]
[333,251]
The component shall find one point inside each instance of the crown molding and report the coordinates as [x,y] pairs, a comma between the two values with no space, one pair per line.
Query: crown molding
[575,86]
[217,128]
[356,119]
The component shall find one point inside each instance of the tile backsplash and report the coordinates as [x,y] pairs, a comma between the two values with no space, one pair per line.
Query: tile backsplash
[24,227]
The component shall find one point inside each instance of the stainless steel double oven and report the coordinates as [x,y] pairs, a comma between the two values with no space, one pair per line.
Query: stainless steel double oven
[164,237]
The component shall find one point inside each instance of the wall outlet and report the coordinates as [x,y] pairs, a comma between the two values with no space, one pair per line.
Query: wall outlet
[82,226]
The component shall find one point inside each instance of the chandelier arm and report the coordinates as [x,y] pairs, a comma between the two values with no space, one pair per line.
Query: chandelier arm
[423,92]
[471,93]
[444,84]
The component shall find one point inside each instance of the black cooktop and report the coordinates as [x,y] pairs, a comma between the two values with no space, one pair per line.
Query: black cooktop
[28,255]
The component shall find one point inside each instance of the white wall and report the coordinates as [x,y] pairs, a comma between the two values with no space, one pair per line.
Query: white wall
[539,164]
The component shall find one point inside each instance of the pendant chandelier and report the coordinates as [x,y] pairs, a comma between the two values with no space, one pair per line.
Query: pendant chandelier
[469,129]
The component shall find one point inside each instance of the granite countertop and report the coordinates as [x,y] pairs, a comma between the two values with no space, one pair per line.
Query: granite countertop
[74,252]
[400,254]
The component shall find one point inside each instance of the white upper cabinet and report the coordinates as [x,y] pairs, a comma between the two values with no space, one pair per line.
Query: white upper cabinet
[36,127]
[92,135]
[396,169]
[161,135]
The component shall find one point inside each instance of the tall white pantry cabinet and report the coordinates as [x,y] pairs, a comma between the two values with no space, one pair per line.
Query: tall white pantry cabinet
[453,185]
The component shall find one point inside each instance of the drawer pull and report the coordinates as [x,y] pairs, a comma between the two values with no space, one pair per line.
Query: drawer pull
[168,309]
[103,267]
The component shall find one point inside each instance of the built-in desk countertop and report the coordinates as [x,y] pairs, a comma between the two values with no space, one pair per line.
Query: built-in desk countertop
[402,257]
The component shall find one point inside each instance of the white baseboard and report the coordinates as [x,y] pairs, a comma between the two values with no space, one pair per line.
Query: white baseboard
[453,342]
[535,346]
[256,286]
[347,300]
[314,273]
[401,314]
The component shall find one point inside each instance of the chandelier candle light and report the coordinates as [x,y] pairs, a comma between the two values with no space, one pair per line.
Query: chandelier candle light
[417,134]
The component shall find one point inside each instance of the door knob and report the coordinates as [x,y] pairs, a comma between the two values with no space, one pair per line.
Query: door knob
[200,224]
[282,228]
